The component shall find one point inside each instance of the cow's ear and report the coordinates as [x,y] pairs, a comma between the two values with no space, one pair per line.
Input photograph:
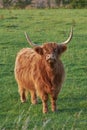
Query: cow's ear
[39,50]
[62,48]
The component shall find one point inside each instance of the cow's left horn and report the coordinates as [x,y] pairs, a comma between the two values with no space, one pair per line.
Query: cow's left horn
[69,38]
[29,41]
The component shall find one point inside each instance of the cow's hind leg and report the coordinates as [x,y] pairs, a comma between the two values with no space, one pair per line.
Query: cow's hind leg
[33,97]
[22,93]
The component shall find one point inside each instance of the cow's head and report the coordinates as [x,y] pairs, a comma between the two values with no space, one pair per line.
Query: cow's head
[50,51]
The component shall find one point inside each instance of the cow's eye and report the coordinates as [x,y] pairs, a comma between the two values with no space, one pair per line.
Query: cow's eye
[55,50]
[45,51]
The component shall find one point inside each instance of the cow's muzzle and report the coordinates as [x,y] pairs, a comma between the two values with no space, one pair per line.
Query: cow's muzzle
[50,58]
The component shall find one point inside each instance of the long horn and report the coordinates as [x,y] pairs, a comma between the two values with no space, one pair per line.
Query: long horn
[28,40]
[69,38]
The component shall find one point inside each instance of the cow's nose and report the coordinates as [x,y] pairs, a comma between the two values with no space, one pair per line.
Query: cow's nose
[50,56]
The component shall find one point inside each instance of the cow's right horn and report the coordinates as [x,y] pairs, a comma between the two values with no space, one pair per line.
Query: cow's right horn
[29,41]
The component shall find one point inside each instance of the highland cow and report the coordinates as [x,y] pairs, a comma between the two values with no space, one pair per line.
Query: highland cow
[40,71]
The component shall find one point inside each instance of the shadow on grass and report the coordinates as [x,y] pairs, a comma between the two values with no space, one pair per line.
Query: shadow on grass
[74,104]
[12,17]
[69,110]
[12,26]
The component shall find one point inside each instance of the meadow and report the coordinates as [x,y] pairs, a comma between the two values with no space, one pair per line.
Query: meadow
[44,25]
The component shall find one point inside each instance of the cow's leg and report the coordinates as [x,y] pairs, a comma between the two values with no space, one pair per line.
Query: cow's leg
[22,94]
[44,98]
[33,97]
[53,102]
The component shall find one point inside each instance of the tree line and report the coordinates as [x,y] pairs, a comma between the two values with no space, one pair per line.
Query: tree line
[43,3]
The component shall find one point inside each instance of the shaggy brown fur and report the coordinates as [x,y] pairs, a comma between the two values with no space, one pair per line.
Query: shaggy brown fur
[40,72]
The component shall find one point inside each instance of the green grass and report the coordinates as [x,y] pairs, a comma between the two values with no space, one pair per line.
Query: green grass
[42,26]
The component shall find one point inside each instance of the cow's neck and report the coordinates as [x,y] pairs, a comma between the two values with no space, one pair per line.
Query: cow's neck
[51,68]
[51,76]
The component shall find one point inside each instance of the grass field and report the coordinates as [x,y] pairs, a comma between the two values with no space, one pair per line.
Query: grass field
[42,26]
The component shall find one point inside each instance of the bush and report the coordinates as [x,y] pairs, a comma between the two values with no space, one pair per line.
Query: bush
[7,3]
[16,3]
[79,3]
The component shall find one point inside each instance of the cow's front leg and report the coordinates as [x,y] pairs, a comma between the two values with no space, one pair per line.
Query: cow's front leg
[33,96]
[53,105]
[53,102]
[44,98]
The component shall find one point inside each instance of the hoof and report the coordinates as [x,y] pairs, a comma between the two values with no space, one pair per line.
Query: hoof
[55,110]
[23,101]
[34,102]
[45,111]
